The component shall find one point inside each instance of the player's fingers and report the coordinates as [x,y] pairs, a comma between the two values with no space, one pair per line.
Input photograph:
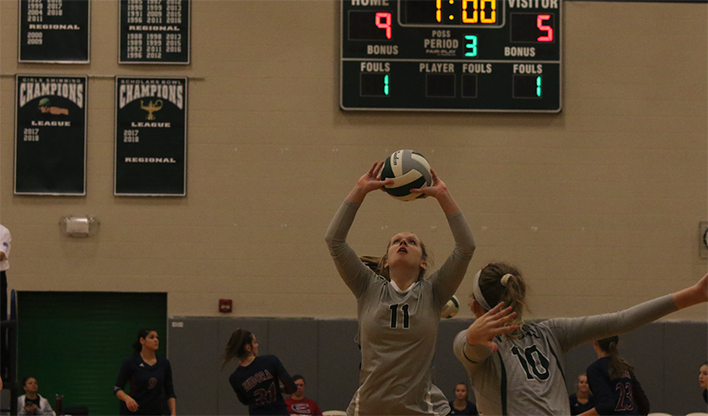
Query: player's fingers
[434,176]
[375,169]
[498,307]
[504,316]
[497,313]
[502,330]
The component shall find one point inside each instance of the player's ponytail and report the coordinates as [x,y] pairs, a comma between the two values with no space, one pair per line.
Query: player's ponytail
[500,282]
[618,367]
[236,347]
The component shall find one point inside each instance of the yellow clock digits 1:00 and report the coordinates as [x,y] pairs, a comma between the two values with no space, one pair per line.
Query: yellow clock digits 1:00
[475,11]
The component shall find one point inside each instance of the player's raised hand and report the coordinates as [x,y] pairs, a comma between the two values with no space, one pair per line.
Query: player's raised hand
[692,295]
[437,189]
[494,322]
[702,288]
[370,181]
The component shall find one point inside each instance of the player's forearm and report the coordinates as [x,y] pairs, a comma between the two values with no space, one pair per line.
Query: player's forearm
[690,296]
[447,203]
[357,194]
[121,395]
[339,226]
[172,404]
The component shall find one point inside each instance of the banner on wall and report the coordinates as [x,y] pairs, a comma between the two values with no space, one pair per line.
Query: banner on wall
[50,135]
[154,32]
[54,31]
[151,137]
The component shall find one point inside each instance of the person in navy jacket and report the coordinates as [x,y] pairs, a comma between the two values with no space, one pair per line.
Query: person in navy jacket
[151,388]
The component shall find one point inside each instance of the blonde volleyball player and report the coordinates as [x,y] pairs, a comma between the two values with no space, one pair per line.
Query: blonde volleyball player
[521,373]
[398,317]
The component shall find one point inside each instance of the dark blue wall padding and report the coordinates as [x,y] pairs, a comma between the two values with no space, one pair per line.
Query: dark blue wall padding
[666,357]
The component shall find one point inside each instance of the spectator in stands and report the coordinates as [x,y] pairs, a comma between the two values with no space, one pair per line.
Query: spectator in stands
[298,404]
[462,405]
[582,400]
[32,403]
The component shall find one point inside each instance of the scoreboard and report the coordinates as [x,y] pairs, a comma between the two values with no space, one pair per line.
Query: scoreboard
[451,55]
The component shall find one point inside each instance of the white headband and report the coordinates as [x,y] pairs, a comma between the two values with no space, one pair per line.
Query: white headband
[479,297]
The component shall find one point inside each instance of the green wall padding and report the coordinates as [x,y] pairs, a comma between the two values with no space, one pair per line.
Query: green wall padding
[74,343]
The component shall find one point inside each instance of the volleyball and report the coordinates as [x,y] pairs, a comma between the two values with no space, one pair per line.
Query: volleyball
[451,308]
[409,170]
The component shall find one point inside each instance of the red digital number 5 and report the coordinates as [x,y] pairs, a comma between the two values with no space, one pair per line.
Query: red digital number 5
[549,30]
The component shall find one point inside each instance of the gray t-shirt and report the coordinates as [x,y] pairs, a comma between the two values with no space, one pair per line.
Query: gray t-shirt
[398,329]
[525,376]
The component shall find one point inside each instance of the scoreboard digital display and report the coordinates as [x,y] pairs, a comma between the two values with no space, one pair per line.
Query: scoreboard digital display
[451,55]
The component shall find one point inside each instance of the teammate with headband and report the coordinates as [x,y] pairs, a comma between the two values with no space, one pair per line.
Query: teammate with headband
[521,373]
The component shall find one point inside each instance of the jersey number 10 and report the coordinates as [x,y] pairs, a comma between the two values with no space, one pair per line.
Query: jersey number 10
[532,361]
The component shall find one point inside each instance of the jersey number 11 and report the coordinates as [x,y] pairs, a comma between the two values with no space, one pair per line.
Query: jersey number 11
[394,315]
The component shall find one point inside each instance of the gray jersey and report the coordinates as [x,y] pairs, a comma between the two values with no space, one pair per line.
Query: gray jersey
[525,376]
[398,329]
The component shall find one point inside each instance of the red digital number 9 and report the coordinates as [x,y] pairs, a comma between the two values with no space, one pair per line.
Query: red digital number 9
[383,21]
[549,30]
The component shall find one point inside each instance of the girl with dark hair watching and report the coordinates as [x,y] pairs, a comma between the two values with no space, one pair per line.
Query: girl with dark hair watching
[150,376]
[612,381]
[32,403]
[462,405]
[257,379]
[521,372]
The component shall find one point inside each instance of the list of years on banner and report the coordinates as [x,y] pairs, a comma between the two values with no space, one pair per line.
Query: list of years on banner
[54,31]
[155,29]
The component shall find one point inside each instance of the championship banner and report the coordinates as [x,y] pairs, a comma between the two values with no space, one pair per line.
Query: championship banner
[154,32]
[50,135]
[151,137]
[54,31]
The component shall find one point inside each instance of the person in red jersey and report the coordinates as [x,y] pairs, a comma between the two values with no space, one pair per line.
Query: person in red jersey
[298,404]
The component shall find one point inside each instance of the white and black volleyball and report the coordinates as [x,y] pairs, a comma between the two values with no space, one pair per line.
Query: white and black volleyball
[409,170]
[451,308]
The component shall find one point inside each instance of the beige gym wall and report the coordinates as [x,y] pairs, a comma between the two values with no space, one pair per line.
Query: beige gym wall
[598,205]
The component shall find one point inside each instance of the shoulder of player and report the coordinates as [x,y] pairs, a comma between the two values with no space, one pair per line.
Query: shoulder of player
[162,361]
[133,361]
[601,365]
[268,359]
